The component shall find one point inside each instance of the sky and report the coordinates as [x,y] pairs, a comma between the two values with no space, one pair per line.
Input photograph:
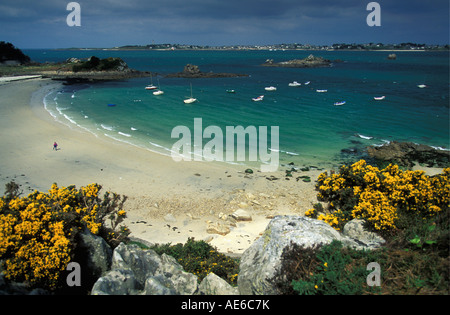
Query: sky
[111,23]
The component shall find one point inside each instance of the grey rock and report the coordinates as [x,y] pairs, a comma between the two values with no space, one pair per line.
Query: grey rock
[138,271]
[116,282]
[355,230]
[159,285]
[96,253]
[214,285]
[170,218]
[241,215]
[261,260]
[142,263]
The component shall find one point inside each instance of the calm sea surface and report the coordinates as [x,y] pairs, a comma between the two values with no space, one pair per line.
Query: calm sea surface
[312,131]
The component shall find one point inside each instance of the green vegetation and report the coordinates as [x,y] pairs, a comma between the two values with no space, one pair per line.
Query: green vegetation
[410,209]
[96,64]
[333,269]
[10,53]
[39,232]
[200,259]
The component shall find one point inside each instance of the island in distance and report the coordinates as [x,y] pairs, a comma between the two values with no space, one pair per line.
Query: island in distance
[193,71]
[309,62]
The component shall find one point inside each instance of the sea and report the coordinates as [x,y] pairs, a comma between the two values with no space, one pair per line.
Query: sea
[312,130]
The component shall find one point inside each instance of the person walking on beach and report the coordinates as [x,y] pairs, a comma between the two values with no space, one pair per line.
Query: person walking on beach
[55,146]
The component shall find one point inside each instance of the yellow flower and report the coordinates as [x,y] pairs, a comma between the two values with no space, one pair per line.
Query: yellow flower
[326,265]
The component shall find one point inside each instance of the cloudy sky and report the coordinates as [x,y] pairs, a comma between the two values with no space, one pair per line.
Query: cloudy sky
[110,23]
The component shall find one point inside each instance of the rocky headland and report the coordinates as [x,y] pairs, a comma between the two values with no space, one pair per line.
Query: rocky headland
[75,70]
[309,62]
[408,153]
[193,71]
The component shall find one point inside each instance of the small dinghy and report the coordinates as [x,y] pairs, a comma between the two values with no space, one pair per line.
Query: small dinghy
[258,99]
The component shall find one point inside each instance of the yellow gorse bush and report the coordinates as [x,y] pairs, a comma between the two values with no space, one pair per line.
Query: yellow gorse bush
[381,196]
[37,232]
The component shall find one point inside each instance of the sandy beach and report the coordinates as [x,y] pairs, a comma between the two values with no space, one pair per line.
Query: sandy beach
[168,201]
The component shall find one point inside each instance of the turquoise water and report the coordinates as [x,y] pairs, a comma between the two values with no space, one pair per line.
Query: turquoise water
[312,131]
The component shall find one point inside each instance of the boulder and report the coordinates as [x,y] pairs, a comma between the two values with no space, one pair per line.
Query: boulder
[94,253]
[392,57]
[355,230]
[241,215]
[191,69]
[137,271]
[214,285]
[116,282]
[217,228]
[260,261]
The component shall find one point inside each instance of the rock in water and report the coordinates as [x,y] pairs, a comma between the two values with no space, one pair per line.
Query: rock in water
[406,153]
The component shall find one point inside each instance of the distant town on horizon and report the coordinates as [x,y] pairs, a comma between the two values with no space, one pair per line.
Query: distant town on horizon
[292,46]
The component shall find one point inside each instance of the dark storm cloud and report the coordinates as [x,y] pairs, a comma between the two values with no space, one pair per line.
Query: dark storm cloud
[118,22]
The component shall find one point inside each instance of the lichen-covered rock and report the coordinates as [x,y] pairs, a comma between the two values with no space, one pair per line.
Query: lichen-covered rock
[260,261]
[138,271]
[214,285]
[355,230]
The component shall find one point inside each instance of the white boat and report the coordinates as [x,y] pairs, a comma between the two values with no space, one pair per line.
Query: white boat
[321,91]
[191,99]
[421,86]
[258,99]
[380,98]
[294,84]
[307,83]
[339,103]
[151,86]
[270,88]
[159,92]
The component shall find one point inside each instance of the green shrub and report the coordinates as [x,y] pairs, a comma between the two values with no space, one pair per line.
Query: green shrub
[38,232]
[200,259]
[96,64]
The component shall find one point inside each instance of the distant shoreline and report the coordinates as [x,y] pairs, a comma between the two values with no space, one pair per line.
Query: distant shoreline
[242,49]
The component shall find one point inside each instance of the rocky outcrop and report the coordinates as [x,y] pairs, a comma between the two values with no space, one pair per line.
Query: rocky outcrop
[309,62]
[261,260]
[193,72]
[214,285]
[392,57]
[130,270]
[93,69]
[408,153]
[138,271]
